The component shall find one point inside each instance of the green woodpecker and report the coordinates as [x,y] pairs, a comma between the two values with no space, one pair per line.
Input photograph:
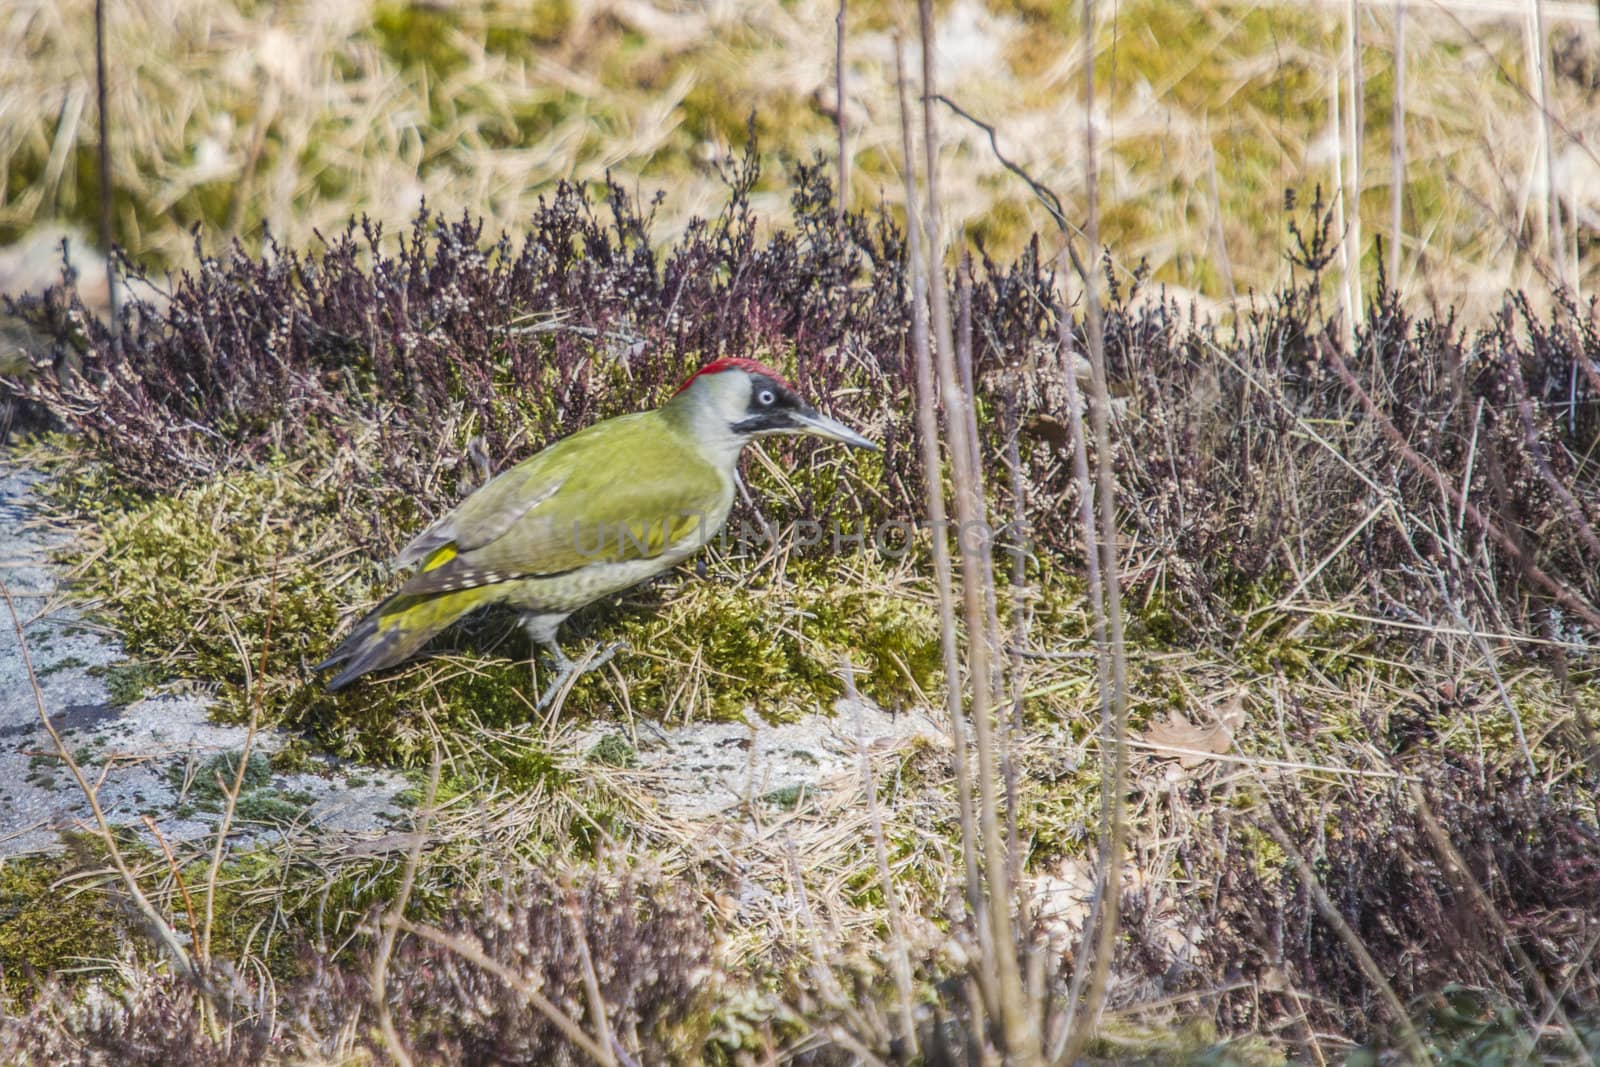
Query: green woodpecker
[606,508]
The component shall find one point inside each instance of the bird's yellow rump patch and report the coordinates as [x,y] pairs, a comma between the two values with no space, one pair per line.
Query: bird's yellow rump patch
[439,557]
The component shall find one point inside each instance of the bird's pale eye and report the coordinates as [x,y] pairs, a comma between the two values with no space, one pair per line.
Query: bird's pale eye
[766,398]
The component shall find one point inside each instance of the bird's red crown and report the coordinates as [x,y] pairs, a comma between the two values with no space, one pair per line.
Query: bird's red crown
[717,366]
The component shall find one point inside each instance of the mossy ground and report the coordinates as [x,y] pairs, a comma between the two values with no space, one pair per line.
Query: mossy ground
[56,918]
[259,554]
[765,628]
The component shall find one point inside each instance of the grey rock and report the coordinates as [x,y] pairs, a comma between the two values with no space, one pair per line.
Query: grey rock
[143,759]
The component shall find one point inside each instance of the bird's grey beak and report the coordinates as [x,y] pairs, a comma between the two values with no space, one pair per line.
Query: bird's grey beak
[819,425]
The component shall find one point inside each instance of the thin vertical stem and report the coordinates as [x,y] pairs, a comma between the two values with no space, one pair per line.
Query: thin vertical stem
[1114,726]
[1224,260]
[591,981]
[838,80]
[1011,725]
[880,850]
[1097,607]
[91,793]
[1019,1034]
[232,790]
[1552,206]
[964,361]
[395,918]
[105,169]
[1355,87]
[1341,212]
[933,478]
[991,609]
[1397,146]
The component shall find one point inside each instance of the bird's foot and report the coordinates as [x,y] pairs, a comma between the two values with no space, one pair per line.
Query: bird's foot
[568,669]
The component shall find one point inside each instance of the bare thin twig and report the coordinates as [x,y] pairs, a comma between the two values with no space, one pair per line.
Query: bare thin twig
[1541,460]
[1557,247]
[1019,1030]
[177,877]
[396,917]
[844,152]
[1097,610]
[104,119]
[231,790]
[1355,83]
[891,896]
[1045,195]
[1397,146]
[933,481]
[1114,725]
[1489,658]
[163,929]
[591,982]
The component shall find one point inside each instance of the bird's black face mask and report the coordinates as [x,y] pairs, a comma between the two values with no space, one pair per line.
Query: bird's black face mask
[773,408]
[770,410]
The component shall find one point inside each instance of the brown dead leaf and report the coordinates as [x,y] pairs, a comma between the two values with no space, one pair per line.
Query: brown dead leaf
[1198,741]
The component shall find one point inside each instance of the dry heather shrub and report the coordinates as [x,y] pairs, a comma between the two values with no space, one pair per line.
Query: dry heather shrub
[654,959]
[378,361]
[386,356]
[157,1021]
[1532,848]
[1244,446]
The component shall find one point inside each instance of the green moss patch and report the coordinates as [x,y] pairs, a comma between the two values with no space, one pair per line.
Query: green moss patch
[127,683]
[778,645]
[195,581]
[231,583]
[52,921]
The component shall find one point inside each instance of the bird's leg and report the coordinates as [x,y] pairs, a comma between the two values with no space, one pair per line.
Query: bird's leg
[567,668]
[564,668]
[542,629]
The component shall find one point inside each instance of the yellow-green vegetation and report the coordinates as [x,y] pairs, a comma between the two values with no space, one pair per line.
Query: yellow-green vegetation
[1193,1044]
[234,583]
[259,553]
[776,645]
[233,551]
[65,915]
[247,576]
[56,917]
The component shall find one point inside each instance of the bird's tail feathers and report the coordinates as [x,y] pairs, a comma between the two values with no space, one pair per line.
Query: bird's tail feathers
[397,628]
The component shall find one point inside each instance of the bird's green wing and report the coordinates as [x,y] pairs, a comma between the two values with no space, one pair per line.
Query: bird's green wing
[627,488]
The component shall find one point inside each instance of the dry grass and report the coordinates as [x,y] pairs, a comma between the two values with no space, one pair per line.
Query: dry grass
[296,117]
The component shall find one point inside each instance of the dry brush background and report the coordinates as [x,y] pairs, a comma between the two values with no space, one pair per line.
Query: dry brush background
[292,117]
[1355,525]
